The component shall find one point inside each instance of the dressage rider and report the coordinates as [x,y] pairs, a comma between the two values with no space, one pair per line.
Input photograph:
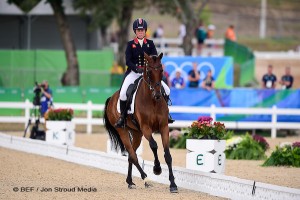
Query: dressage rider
[135,62]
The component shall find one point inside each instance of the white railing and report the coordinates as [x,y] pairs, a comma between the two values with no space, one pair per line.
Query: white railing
[212,111]
[295,55]
[173,46]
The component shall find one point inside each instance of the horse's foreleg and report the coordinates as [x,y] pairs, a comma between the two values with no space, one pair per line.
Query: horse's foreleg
[153,145]
[168,159]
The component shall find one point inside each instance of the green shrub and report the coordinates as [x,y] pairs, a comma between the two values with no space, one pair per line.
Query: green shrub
[286,155]
[177,140]
[246,148]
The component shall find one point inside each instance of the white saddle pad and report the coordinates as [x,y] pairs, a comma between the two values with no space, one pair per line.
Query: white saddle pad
[131,108]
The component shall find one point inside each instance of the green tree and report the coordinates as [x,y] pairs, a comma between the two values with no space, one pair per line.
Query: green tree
[103,12]
[71,75]
[185,11]
[100,13]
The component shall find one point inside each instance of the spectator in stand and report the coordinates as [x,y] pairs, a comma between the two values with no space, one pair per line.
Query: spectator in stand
[269,79]
[230,33]
[210,33]
[287,79]
[201,36]
[178,81]
[182,31]
[194,76]
[165,77]
[116,69]
[209,81]
[159,33]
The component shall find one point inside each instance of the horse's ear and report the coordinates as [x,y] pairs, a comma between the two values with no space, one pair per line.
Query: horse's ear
[147,57]
[160,55]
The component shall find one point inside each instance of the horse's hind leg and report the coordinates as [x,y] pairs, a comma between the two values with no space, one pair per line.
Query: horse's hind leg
[137,138]
[132,157]
[131,185]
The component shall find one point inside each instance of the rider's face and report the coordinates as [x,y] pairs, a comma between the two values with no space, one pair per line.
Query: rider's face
[140,33]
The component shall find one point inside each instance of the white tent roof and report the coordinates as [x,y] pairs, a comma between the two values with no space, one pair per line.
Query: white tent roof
[41,8]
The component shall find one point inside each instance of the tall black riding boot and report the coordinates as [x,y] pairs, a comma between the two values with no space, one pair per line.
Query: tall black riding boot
[121,121]
[170,120]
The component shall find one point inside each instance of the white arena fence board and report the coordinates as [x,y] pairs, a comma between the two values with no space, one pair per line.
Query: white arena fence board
[89,121]
[214,184]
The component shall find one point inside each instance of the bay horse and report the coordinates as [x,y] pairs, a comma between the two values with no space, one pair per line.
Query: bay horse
[150,115]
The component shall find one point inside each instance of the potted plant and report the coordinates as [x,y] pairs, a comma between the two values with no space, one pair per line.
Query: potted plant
[59,125]
[206,145]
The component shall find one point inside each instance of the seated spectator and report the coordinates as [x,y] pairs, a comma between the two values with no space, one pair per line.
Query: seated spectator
[165,77]
[269,79]
[287,79]
[209,81]
[116,69]
[178,81]
[194,76]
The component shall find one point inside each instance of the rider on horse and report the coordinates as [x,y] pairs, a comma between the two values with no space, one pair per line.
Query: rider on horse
[135,62]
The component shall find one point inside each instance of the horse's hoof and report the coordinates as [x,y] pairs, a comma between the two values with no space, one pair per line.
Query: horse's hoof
[147,184]
[157,170]
[173,190]
[132,186]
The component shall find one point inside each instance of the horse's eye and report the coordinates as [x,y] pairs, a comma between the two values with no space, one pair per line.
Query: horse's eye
[161,70]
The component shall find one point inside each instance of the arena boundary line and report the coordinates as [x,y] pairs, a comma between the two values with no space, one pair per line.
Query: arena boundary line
[213,184]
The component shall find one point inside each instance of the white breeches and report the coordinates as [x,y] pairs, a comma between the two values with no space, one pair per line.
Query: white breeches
[130,78]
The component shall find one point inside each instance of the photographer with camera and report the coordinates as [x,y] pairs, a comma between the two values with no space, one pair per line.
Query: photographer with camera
[43,101]
[45,98]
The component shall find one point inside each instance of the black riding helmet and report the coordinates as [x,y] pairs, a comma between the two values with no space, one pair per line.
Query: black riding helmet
[139,24]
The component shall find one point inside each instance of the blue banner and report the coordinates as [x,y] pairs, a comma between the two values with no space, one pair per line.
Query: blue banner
[221,67]
[239,98]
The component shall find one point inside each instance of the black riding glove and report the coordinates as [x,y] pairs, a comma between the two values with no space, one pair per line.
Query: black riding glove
[139,70]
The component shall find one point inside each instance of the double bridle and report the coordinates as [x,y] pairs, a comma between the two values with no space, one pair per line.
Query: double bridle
[148,81]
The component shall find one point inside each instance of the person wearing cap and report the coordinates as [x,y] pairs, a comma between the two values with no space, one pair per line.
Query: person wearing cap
[210,34]
[46,97]
[135,61]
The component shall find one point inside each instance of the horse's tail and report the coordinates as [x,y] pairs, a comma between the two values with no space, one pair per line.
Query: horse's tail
[114,136]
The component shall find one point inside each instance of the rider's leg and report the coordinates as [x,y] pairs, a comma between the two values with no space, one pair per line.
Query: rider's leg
[130,78]
[166,96]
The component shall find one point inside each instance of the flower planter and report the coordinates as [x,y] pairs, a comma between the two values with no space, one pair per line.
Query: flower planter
[60,132]
[206,155]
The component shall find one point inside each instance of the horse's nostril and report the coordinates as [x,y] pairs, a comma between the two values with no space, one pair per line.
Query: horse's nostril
[157,97]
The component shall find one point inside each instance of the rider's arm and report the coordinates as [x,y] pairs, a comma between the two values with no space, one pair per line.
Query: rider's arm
[153,48]
[128,55]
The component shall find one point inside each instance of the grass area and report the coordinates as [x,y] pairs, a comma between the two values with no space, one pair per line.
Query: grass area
[270,44]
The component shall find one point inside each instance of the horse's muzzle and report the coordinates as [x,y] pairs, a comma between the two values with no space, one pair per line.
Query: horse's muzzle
[157,95]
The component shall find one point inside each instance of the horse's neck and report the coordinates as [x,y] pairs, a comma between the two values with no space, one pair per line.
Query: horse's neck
[145,90]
